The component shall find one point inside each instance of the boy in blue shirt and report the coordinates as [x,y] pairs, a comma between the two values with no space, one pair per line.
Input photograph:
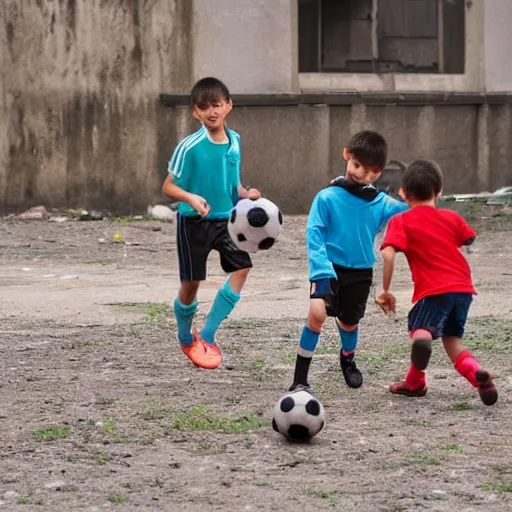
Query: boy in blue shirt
[342,224]
[204,177]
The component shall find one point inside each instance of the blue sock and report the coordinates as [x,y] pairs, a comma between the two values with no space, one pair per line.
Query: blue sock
[348,339]
[224,302]
[308,342]
[307,345]
[184,315]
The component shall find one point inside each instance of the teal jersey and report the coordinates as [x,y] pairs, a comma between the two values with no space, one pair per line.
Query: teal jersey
[209,170]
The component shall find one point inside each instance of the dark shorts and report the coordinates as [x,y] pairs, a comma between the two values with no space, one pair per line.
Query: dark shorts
[348,304]
[441,315]
[195,239]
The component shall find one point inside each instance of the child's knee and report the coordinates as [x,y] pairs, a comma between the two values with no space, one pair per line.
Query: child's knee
[316,316]
[348,327]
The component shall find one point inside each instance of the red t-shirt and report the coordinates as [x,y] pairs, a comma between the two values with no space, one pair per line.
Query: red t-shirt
[430,238]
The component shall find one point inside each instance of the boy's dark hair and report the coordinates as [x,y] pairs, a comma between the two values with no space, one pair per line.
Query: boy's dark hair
[207,91]
[370,148]
[422,180]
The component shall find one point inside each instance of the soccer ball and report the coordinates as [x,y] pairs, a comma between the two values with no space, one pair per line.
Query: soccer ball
[255,225]
[298,416]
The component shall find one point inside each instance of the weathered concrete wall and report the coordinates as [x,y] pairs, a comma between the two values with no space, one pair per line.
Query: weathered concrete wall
[79,115]
[290,152]
[251,44]
[497,44]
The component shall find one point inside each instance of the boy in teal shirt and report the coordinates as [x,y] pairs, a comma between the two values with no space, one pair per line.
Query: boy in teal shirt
[204,177]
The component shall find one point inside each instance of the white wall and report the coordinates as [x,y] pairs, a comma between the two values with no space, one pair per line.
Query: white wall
[498,45]
[249,44]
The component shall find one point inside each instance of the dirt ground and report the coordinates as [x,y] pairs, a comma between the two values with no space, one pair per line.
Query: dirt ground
[100,409]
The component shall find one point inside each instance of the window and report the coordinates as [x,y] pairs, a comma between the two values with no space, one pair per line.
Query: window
[381,36]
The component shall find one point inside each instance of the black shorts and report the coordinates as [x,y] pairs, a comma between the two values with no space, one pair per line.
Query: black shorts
[195,239]
[348,304]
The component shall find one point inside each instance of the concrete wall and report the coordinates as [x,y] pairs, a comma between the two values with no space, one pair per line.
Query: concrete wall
[497,45]
[291,152]
[79,115]
[250,44]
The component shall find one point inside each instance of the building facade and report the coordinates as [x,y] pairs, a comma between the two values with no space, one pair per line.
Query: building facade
[94,94]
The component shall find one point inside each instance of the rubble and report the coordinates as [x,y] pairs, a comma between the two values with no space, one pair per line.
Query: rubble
[35,213]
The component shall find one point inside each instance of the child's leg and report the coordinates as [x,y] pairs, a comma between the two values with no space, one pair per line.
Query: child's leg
[308,342]
[185,306]
[225,301]
[466,364]
[350,305]
[349,335]
[415,382]
[461,357]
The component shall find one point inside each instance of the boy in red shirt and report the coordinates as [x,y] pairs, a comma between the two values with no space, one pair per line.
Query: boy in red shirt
[431,238]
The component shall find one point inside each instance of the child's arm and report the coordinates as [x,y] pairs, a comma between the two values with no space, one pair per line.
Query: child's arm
[321,270]
[386,300]
[178,194]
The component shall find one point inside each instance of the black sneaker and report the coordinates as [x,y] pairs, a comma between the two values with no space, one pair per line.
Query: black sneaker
[353,376]
[301,387]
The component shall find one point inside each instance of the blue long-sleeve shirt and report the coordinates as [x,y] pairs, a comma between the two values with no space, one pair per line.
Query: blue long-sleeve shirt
[342,227]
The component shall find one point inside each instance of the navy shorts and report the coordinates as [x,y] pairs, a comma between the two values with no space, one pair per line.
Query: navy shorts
[196,238]
[441,315]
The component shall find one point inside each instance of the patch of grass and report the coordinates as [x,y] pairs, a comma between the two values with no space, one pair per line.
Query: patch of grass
[289,358]
[499,468]
[151,410]
[417,423]
[263,484]
[462,406]
[100,262]
[199,418]
[116,497]
[51,433]
[109,427]
[248,444]
[241,469]
[257,364]
[373,362]
[331,496]
[93,343]
[205,448]
[101,458]
[451,448]
[154,312]
[327,350]
[29,499]
[496,487]
[424,458]
[107,400]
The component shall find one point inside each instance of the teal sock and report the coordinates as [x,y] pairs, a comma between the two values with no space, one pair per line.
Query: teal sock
[348,339]
[184,315]
[224,302]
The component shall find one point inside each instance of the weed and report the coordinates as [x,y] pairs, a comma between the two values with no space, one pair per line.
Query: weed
[101,458]
[199,418]
[116,497]
[422,458]
[451,448]
[51,433]
[462,406]
[491,486]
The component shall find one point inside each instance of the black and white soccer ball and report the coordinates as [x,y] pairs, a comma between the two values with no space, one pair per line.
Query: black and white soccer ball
[298,416]
[254,225]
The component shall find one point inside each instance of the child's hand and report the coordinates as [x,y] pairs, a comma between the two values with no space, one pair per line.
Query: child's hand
[387,302]
[199,204]
[253,194]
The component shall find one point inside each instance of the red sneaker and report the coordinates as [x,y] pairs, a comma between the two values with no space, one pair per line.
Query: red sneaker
[486,388]
[401,388]
[202,354]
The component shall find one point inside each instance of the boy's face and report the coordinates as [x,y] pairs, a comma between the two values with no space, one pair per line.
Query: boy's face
[213,114]
[356,171]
